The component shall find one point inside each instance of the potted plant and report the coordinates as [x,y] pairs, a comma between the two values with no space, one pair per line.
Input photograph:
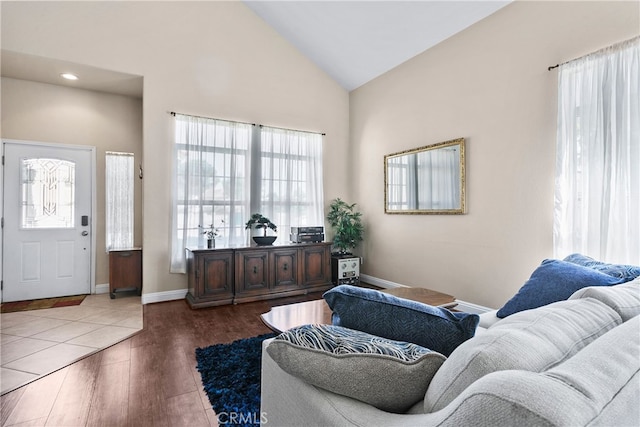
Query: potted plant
[258,221]
[212,233]
[347,223]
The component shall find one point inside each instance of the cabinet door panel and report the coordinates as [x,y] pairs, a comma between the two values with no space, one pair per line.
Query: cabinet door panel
[217,275]
[252,270]
[316,265]
[210,277]
[285,269]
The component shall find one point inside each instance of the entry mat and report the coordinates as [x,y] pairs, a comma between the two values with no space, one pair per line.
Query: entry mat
[37,304]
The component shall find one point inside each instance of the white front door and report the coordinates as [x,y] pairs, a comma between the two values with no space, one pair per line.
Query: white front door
[47,239]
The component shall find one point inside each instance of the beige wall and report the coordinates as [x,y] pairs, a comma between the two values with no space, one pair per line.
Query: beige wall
[48,113]
[215,59]
[490,85]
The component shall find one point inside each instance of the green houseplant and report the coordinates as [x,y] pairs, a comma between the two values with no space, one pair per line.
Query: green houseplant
[347,223]
[258,221]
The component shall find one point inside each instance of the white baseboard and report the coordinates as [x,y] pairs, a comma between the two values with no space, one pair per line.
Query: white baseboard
[102,289]
[386,284]
[469,307]
[464,306]
[164,296]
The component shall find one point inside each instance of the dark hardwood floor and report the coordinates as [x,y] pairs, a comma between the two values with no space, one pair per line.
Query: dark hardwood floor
[149,379]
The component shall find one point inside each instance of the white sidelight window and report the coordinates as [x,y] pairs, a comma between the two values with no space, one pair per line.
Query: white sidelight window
[119,215]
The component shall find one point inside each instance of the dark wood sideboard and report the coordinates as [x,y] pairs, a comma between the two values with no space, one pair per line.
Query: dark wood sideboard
[235,275]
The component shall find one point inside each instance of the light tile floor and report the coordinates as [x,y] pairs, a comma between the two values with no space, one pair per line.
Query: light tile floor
[37,342]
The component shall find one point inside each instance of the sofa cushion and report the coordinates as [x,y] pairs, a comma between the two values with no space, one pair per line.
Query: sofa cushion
[598,386]
[624,299]
[552,281]
[387,374]
[395,318]
[621,271]
[532,340]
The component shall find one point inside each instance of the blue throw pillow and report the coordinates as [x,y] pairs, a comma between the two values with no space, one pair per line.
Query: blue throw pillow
[553,281]
[400,319]
[621,271]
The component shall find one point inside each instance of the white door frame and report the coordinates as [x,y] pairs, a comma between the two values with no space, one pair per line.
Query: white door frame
[92,149]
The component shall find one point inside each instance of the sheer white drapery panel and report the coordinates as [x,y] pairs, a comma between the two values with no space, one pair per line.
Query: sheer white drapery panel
[119,216]
[597,190]
[291,191]
[210,183]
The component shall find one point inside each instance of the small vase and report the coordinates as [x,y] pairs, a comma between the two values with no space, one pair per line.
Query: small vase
[211,243]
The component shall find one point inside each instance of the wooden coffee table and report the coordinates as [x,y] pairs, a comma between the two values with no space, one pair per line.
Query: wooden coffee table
[290,316]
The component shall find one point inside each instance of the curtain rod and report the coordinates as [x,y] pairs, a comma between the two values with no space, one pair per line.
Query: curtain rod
[295,130]
[597,51]
[173,113]
[118,153]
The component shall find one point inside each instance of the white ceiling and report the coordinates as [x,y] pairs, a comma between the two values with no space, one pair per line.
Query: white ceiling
[356,41]
[352,41]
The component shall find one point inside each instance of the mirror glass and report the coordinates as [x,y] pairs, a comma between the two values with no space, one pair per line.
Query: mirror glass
[425,180]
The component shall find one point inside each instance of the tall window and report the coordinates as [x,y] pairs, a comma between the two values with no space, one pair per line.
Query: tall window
[597,199]
[290,191]
[225,171]
[119,200]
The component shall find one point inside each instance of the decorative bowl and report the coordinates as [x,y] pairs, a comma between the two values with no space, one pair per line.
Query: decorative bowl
[264,240]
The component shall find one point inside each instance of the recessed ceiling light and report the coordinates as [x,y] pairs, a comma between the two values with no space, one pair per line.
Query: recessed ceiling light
[69,76]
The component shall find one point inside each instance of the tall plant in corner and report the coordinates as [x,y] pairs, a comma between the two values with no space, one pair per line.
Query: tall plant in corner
[347,223]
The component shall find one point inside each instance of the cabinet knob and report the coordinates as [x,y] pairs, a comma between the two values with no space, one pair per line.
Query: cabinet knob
[285,266]
[255,270]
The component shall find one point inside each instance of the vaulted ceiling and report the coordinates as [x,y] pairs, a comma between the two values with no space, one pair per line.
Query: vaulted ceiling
[356,41]
[352,41]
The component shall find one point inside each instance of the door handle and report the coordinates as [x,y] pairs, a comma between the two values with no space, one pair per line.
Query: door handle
[85,233]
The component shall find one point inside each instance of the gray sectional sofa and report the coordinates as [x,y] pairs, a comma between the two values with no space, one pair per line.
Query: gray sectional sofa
[570,363]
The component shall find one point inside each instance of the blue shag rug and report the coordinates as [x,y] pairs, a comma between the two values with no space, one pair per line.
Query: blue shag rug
[231,378]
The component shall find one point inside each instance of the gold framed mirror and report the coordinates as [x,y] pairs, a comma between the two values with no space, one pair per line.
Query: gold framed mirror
[426,180]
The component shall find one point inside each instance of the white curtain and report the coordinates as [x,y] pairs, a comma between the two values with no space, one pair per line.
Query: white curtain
[119,200]
[210,183]
[597,196]
[291,185]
